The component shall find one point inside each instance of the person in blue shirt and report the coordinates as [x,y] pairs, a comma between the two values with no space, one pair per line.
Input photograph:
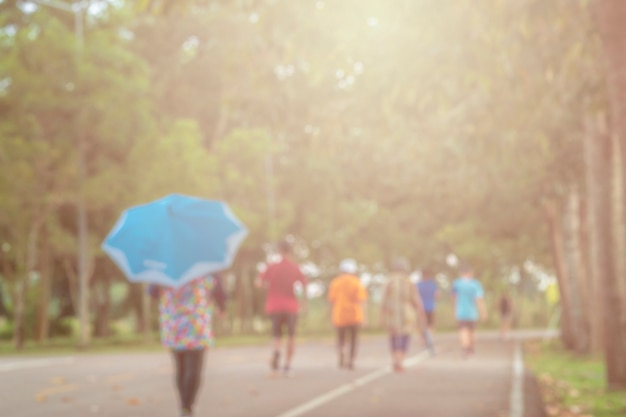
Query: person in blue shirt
[428,291]
[469,306]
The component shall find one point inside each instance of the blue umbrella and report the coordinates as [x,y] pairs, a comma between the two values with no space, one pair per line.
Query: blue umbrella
[174,240]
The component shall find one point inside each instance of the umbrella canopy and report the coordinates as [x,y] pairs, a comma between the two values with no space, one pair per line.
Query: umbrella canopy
[175,239]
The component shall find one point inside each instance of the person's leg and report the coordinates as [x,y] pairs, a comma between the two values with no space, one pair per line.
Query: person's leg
[505,323]
[353,333]
[404,347]
[464,336]
[430,320]
[178,357]
[341,337]
[471,337]
[292,319]
[193,364]
[276,340]
[394,344]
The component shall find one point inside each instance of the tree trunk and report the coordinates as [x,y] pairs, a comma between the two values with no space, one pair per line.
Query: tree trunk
[593,128]
[146,306]
[72,277]
[575,272]
[102,301]
[611,15]
[43,304]
[23,285]
[554,218]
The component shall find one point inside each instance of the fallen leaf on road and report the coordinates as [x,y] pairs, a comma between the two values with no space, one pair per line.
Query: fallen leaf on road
[67,399]
[133,401]
[41,398]
[552,410]
[59,380]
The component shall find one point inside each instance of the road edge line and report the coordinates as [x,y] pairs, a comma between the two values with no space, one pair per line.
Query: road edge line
[517,387]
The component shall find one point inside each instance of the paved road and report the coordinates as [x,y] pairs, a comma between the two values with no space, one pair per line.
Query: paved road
[236,383]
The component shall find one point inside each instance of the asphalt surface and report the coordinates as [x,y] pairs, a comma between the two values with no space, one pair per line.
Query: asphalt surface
[492,383]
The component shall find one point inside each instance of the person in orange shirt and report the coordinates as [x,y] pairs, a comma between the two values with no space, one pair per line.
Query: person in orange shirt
[347,296]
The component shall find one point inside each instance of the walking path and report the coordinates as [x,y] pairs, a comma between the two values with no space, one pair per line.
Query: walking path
[492,383]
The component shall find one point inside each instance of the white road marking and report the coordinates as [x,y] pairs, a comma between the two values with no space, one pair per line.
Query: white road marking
[517,392]
[34,363]
[346,388]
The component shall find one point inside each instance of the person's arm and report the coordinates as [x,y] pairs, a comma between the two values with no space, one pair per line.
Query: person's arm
[218,294]
[304,304]
[482,309]
[384,306]
[417,304]
[260,281]
[363,301]
[153,291]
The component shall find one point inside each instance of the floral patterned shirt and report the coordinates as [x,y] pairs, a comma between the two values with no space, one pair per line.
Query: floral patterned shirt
[185,315]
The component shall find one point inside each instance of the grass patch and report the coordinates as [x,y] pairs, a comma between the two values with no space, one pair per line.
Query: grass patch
[572,385]
[136,344]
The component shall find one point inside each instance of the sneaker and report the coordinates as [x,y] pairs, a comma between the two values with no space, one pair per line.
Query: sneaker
[397,367]
[288,372]
[185,412]
[466,353]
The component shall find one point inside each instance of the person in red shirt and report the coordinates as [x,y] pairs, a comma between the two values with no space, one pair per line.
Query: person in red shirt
[281,303]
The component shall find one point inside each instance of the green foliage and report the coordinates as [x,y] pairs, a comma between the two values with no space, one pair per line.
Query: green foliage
[570,383]
[368,129]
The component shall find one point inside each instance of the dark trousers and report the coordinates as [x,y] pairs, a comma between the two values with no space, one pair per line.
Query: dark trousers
[188,365]
[349,334]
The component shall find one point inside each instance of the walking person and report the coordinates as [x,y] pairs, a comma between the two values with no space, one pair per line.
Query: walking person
[469,306]
[185,318]
[282,306]
[347,296]
[428,291]
[505,307]
[401,310]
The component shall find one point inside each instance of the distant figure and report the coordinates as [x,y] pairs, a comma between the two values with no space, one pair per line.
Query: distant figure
[401,309]
[347,296]
[505,307]
[428,291]
[282,305]
[185,317]
[469,307]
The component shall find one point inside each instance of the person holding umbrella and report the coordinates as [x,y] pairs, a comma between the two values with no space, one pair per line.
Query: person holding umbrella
[281,304]
[185,318]
[178,244]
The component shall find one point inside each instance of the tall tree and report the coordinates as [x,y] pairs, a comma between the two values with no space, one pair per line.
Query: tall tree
[611,15]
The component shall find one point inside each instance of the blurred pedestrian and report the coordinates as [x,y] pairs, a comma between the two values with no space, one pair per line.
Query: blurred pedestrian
[428,291]
[469,306]
[347,296]
[281,304]
[401,311]
[185,318]
[505,307]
